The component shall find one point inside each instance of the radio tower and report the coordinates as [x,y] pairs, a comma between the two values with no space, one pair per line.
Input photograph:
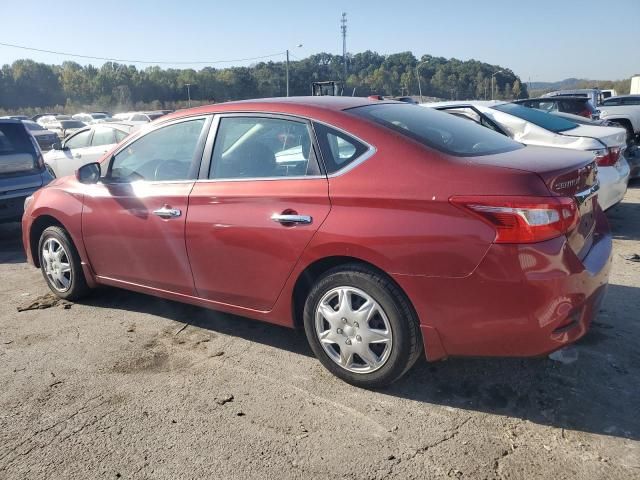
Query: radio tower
[343,29]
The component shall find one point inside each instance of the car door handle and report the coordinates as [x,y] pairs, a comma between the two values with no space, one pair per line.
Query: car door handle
[289,218]
[166,212]
[77,155]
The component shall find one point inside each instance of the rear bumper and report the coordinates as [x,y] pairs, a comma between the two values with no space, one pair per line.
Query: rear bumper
[522,300]
[613,184]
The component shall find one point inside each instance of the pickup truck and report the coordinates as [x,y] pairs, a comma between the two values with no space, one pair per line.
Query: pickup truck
[624,111]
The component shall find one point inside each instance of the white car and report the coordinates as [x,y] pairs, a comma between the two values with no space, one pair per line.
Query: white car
[534,127]
[91,118]
[86,146]
[624,111]
[140,117]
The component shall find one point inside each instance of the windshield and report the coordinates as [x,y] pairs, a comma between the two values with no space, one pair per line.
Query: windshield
[537,117]
[153,116]
[438,130]
[98,116]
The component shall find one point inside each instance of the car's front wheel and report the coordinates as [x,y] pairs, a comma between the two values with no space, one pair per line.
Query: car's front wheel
[361,327]
[60,264]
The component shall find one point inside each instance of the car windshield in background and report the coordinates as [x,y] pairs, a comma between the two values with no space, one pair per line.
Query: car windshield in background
[98,116]
[71,124]
[438,130]
[153,116]
[537,117]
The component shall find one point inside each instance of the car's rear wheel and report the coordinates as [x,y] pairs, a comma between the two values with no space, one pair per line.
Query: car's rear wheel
[361,326]
[60,264]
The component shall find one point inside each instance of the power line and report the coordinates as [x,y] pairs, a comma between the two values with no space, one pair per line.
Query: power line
[123,60]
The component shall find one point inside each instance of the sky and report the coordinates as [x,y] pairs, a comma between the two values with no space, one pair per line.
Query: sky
[541,40]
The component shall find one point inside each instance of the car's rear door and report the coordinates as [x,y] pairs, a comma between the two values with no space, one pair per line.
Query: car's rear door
[133,222]
[255,209]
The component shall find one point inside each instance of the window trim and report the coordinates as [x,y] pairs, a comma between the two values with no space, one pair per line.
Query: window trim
[143,132]
[369,152]
[207,155]
[75,134]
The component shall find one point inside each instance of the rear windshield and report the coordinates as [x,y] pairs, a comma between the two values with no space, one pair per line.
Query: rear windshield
[72,124]
[537,117]
[17,153]
[32,125]
[98,116]
[444,132]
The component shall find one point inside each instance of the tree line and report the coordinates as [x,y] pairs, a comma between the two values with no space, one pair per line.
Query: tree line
[27,85]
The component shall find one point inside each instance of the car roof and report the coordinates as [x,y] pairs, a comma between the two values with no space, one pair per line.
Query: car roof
[304,105]
[557,98]
[464,103]
[624,96]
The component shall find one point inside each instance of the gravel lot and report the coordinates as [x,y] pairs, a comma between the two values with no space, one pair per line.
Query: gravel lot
[116,388]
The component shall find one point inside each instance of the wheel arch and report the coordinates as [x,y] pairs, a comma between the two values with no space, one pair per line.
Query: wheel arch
[37,227]
[316,269]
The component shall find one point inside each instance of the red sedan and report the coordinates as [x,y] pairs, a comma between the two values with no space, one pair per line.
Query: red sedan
[383,228]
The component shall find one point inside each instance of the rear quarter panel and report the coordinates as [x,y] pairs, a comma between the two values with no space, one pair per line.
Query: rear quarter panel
[393,210]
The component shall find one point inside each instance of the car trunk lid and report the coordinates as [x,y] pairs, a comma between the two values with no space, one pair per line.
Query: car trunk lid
[566,173]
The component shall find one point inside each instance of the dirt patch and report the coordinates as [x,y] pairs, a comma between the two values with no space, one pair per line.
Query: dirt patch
[48,300]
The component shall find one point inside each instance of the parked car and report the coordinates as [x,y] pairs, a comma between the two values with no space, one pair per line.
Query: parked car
[593,94]
[90,118]
[406,100]
[145,117]
[472,244]
[124,116]
[37,117]
[45,120]
[534,127]
[608,92]
[64,128]
[45,138]
[22,170]
[575,105]
[85,146]
[624,111]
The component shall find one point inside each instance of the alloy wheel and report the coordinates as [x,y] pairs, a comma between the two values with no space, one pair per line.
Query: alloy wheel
[353,329]
[57,265]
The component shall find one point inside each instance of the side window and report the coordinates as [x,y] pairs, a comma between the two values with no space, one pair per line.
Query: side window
[138,118]
[103,136]
[610,102]
[165,154]
[261,147]
[338,148]
[80,140]
[120,135]
[631,101]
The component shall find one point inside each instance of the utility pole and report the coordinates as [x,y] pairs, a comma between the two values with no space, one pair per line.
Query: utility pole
[188,85]
[343,29]
[493,83]
[287,69]
[287,66]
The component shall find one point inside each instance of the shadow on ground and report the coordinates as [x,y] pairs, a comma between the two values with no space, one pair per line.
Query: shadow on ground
[598,393]
[11,243]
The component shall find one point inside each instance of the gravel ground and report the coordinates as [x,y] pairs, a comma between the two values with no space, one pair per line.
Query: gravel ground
[115,387]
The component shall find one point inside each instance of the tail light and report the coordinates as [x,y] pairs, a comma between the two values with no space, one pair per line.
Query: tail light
[607,157]
[523,219]
[586,113]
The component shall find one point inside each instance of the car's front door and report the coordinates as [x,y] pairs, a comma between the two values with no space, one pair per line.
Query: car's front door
[256,209]
[133,220]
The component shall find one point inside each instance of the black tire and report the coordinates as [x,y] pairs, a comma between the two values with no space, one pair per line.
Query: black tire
[406,344]
[77,287]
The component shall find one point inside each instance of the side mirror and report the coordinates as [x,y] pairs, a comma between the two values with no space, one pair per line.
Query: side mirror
[89,173]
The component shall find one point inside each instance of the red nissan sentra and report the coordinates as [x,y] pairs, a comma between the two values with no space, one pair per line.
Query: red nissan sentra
[383,228]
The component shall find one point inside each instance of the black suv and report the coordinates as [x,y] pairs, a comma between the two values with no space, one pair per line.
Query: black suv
[22,169]
[568,104]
